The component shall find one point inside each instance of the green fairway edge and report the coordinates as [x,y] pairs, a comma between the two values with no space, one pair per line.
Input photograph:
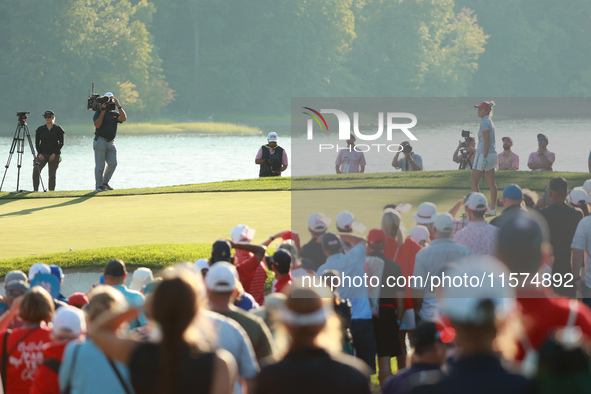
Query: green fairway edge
[402,180]
[153,256]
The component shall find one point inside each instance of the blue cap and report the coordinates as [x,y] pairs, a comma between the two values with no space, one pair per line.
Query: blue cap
[513,192]
[57,272]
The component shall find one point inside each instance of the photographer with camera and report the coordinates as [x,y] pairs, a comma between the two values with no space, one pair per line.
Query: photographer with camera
[105,121]
[464,154]
[410,162]
[49,140]
[271,157]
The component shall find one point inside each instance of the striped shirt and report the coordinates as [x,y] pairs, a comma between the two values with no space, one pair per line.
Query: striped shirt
[253,275]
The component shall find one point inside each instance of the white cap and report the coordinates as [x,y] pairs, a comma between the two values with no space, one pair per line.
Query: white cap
[141,277]
[578,196]
[242,233]
[68,322]
[461,303]
[477,202]
[201,264]
[222,277]
[38,268]
[444,223]
[318,222]
[426,213]
[109,94]
[314,318]
[346,222]
[419,233]
[272,137]
[587,187]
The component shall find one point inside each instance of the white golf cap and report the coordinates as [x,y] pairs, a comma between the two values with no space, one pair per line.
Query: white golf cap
[318,222]
[68,322]
[463,303]
[477,202]
[38,268]
[425,213]
[272,137]
[221,277]
[109,94]
[587,187]
[419,233]
[242,233]
[346,223]
[444,223]
[141,277]
[578,196]
[201,264]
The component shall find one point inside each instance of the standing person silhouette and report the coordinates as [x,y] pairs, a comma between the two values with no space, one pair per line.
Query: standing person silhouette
[486,160]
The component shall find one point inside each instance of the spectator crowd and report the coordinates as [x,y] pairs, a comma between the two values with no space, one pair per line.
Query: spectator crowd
[242,320]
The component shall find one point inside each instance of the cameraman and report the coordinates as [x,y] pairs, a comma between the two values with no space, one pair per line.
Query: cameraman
[271,157]
[410,161]
[49,140]
[467,148]
[105,122]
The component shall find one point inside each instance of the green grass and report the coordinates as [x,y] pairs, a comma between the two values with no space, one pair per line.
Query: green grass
[459,180]
[248,185]
[148,128]
[155,257]
[189,127]
[37,224]
[448,180]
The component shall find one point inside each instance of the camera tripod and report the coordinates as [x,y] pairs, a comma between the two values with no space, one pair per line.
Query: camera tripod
[18,144]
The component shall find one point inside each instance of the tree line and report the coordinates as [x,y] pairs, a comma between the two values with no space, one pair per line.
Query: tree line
[192,58]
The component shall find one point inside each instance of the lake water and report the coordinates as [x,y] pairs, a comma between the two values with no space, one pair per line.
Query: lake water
[147,161]
[166,160]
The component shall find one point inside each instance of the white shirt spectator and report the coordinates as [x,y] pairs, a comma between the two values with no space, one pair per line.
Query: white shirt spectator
[582,240]
[430,261]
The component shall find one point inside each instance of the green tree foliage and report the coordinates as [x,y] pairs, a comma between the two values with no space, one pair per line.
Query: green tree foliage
[536,48]
[199,57]
[234,55]
[52,50]
[415,48]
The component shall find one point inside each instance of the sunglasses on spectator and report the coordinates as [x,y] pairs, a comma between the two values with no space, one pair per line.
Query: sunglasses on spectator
[48,117]
[541,140]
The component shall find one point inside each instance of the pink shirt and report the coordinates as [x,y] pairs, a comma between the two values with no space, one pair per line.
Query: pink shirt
[508,162]
[460,224]
[534,157]
[481,237]
[271,151]
[350,161]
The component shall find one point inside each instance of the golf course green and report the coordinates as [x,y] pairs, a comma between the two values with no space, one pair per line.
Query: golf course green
[160,226]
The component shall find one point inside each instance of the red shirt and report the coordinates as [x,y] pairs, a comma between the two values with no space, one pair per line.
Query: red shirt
[253,275]
[405,258]
[281,283]
[542,316]
[46,379]
[24,357]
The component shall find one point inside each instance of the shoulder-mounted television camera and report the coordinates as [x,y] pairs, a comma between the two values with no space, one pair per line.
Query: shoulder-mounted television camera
[96,101]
